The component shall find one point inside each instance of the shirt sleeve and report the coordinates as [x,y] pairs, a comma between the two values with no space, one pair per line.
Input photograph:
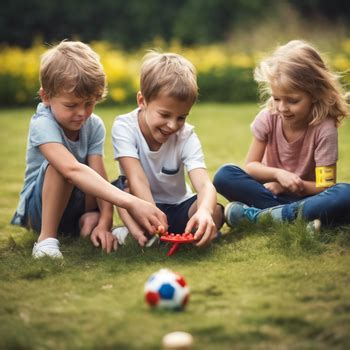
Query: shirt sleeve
[44,130]
[98,135]
[326,151]
[261,126]
[192,155]
[124,140]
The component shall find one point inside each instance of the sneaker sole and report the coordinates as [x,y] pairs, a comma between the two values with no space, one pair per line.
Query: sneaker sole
[227,208]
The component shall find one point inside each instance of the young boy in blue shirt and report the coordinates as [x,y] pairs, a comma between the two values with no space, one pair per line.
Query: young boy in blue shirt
[154,145]
[65,187]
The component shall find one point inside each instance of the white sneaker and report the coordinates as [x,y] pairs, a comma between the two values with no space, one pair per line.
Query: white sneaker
[314,226]
[48,247]
[154,239]
[120,233]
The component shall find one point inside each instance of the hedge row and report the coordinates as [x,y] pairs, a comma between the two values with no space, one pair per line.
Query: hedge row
[223,75]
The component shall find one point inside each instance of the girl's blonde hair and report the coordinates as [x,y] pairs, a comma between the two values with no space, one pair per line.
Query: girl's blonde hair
[72,66]
[168,73]
[298,66]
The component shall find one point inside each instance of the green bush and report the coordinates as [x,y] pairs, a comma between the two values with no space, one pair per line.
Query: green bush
[227,84]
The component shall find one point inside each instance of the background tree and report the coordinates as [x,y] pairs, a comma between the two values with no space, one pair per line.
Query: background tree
[132,23]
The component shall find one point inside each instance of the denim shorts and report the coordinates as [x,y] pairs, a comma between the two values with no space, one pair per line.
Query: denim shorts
[177,214]
[69,224]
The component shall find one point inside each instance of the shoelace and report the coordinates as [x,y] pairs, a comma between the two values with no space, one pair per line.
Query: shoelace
[251,213]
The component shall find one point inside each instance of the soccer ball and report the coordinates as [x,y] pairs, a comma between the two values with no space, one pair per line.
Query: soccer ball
[166,289]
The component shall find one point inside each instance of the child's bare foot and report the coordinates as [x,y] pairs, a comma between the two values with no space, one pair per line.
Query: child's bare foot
[88,222]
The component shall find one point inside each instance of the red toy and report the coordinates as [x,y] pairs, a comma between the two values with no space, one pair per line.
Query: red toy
[177,239]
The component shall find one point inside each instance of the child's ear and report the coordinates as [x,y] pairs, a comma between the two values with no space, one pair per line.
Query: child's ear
[44,97]
[141,102]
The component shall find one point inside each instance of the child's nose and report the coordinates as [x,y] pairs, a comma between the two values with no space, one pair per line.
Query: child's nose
[283,107]
[82,111]
[172,124]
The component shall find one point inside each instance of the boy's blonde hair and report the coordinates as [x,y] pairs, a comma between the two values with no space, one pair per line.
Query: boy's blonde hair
[170,74]
[72,66]
[298,66]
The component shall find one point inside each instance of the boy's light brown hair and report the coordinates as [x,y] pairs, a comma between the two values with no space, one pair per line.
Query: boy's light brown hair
[169,74]
[73,66]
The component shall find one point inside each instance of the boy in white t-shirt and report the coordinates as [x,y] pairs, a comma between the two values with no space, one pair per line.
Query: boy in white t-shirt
[153,145]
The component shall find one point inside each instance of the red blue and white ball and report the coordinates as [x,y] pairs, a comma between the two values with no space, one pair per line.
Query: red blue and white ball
[167,290]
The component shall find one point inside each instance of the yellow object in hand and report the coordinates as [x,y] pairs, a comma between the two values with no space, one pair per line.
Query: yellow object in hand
[325,176]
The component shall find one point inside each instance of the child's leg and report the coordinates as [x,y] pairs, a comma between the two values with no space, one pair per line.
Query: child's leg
[89,220]
[46,206]
[56,192]
[331,207]
[236,185]
[136,231]
[179,214]
[218,215]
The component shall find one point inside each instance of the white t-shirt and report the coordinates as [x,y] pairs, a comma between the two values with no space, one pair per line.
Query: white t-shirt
[164,168]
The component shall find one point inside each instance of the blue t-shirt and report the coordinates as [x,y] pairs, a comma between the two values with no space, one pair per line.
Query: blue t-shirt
[43,128]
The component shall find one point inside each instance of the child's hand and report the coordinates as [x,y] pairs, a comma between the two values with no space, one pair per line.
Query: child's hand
[293,183]
[143,238]
[148,216]
[140,238]
[205,227]
[160,230]
[105,239]
[274,187]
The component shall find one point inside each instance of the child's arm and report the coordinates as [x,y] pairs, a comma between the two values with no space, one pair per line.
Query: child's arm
[276,180]
[85,178]
[266,174]
[137,179]
[138,185]
[310,189]
[310,186]
[101,234]
[202,219]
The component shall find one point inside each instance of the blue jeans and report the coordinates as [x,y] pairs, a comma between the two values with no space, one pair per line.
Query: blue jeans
[332,206]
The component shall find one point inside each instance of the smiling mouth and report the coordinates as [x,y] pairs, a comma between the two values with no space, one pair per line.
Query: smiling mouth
[165,133]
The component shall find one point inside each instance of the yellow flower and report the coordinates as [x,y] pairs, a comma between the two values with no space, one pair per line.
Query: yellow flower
[341,63]
[242,60]
[346,45]
[118,94]
[123,68]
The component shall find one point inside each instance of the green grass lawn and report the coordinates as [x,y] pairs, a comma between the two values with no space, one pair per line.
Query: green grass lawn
[260,287]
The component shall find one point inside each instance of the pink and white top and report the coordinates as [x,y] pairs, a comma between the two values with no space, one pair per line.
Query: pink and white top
[318,146]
